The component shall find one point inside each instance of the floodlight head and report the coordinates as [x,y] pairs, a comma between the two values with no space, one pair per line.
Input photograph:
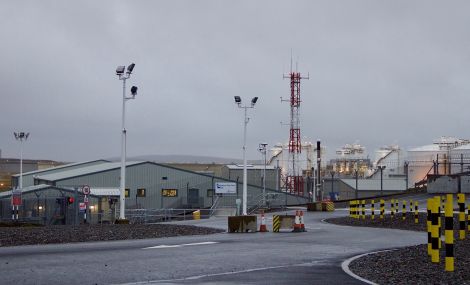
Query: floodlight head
[238,100]
[130,68]
[253,101]
[120,70]
[134,90]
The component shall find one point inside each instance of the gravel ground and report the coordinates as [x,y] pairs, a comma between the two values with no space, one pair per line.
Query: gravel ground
[13,236]
[409,265]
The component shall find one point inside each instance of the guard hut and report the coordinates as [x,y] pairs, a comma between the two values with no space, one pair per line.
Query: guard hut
[54,205]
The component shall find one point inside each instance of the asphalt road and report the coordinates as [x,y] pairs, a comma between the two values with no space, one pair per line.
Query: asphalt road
[312,257]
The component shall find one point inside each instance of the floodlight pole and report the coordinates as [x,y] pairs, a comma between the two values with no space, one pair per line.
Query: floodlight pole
[262,149]
[21,136]
[245,184]
[122,188]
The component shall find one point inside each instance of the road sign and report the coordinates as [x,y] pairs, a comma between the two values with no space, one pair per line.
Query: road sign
[85,199]
[16,198]
[86,190]
[82,207]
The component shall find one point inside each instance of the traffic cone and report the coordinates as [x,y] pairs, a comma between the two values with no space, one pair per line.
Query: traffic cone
[297,223]
[302,225]
[262,227]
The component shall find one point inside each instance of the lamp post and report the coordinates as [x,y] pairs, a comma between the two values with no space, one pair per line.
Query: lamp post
[238,101]
[381,167]
[332,177]
[16,194]
[124,76]
[21,136]
[262,149]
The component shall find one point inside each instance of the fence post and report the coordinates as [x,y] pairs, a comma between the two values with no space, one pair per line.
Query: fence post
[461,201]
[449,233]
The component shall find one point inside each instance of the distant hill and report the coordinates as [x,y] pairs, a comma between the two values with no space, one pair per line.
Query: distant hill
[182,158]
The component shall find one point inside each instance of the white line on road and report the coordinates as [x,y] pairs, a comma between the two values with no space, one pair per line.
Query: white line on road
[224,273]
[180,245]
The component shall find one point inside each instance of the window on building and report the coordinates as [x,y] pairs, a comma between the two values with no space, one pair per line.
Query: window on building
[170,192]
[140,192]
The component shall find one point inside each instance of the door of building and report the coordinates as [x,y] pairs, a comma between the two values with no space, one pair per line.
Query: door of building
[193,197]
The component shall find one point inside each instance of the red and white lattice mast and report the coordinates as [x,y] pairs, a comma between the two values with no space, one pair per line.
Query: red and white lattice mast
[294,181]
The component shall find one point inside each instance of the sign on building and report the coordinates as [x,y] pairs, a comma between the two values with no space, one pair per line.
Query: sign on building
[225,188]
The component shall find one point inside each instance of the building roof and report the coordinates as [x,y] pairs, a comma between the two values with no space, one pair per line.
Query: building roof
[250,167]
[374,184]
[429,147]
[84,171]
[32,189]
[93,191]
[61,167]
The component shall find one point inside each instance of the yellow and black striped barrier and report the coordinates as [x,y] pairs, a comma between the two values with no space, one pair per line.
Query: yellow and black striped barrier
[461,201]
[281,222]
[449,233]
[429,226]
[403,214]
[416,213]
[276,223]
[382,208]
[372,209]
[396,206]
[392,208]
[411,206]
[434,231]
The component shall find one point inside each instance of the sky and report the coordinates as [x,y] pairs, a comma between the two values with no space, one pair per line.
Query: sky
[380,73]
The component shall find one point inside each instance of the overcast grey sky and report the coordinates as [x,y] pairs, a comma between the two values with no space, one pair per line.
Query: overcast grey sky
[381,72]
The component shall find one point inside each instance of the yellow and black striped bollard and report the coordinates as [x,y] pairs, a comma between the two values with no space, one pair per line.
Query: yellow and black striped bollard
[411,207]
[461,201]
[468,219]
[428,224]
[396,206]
[372,209]
[363,209]
[382,208]
[403,214]
[449,233]
[351,209]
[439,220]
[392,208]
[434,232]
[416,213]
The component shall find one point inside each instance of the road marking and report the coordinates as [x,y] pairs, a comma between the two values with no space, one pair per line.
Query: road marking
[224,273]
[180,245]
[345,266]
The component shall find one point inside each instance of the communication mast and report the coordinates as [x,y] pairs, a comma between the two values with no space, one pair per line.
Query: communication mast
[294,181]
